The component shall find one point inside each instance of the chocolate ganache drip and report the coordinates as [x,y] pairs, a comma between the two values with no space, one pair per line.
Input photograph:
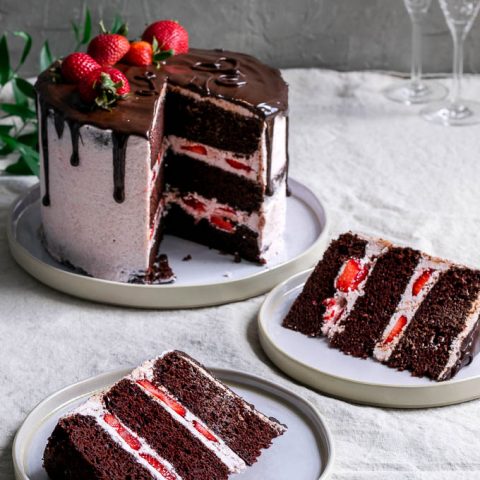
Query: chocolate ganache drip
[148,78]
[44,141]
[75,134]
[119,153]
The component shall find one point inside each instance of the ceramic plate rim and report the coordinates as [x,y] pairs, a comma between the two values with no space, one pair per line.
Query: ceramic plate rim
[30,424]
[267,342]
[32,265]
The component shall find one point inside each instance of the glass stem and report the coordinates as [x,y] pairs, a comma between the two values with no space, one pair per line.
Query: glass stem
[416,74]
[458,40]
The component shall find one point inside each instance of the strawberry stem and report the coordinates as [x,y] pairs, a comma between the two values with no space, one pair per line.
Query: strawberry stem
[107,91]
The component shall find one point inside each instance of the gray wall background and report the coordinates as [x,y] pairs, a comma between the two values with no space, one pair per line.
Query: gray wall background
[338,34]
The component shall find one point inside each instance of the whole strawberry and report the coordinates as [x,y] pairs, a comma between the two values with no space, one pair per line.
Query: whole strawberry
[77,66]
[170,35]
[140,53]
[103,87]
[108,48]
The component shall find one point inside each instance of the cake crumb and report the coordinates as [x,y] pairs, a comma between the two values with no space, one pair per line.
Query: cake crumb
[187,258]
[227,274]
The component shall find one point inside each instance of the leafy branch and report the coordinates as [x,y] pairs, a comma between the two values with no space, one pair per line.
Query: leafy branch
[18,123]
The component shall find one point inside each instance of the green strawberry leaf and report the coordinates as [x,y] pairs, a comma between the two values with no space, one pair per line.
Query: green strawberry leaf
[5,69]
[26,48]
[163,55]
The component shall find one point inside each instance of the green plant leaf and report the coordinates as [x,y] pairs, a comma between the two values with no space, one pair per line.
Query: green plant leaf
[26,48]
[46,58]
[5,69]
[20,98]
[25,87]
[30,139]
[76,34]
[5,129]
[22,111]
[87,27]
[20,167]
[5,150]
[116,24]
[29,154]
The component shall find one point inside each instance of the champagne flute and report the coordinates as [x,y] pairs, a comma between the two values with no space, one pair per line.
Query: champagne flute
[415,90]
[460,15]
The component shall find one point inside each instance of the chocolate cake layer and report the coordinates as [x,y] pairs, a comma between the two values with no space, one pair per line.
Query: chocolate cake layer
[171,440]
[240,427]
[306,313]
[79,449]
[372,311]
[425,346]
[242,241]
[206,123]
[190,175]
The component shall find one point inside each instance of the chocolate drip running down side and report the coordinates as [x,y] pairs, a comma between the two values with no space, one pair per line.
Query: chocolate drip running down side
[119,153]
[75,134]
[44,140]
[59,121]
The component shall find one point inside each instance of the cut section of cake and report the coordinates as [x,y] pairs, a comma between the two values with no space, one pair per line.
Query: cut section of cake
[169,419]
[409,310]
[197,149]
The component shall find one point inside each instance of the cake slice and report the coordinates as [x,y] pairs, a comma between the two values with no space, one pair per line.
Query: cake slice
[401,306]
[169,419]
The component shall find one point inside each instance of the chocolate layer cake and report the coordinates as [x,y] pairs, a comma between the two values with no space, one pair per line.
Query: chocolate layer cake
[169,419]
[198,149]
[411,311]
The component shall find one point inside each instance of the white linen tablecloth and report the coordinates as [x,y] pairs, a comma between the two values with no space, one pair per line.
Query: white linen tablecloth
[378,168]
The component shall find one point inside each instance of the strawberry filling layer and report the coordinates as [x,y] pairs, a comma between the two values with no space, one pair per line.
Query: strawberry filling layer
[220,216]
[134,443]
[396,330]
[245,166]
[423,278]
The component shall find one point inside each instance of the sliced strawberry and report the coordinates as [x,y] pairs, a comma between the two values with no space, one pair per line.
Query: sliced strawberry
[198,149]
[195,204]
[222,223]
[206,433]
[162,396]
[351,275]
[225,210]
[397,328]
[333,310]
[159,467]
[238,165]
[421,281]
[132,441]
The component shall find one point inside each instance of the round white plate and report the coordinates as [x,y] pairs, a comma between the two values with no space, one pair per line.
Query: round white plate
[209,278]
[313,362]
[304,452]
